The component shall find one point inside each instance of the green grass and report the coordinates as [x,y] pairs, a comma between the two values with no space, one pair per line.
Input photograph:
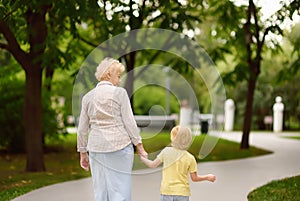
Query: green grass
[287,189]
[293,137]
[62,162]
[224,149]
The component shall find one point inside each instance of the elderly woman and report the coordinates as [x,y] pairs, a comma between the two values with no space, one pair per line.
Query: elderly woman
[107,132]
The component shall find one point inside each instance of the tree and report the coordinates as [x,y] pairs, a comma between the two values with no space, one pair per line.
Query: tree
[288,77]
[32,32]
[255,38]
[122,16]
[293,37]
[245,36]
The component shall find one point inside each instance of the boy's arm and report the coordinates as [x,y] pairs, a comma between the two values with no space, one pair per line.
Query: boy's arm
[150,163]
[209,177]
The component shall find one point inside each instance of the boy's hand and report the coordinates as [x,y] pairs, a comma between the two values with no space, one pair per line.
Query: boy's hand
[211,177]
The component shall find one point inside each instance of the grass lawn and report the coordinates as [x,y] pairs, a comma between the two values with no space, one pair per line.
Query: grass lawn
[293,137]
[62,162]
[224,149]
[280,190]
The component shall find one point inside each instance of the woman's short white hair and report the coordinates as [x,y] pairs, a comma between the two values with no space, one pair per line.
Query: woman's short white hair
[104,66]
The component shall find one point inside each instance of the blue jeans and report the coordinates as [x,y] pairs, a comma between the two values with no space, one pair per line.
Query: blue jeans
[173,198]
[111,174]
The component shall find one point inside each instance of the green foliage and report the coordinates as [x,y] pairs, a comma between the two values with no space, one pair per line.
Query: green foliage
[11,110]
[62,19]
[239,74]
[292,58]
[62,86]
[284,189]
[115,17]
[228,24]
[148,97]
[12,131]
[53,119]
[39,34]
[11,118]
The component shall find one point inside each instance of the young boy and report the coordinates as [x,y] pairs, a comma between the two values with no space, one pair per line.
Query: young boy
[177,163]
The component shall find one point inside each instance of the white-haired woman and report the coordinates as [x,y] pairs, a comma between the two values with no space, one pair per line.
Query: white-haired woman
[107,132]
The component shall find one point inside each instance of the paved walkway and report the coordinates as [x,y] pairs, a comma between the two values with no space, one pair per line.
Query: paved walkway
[235,178]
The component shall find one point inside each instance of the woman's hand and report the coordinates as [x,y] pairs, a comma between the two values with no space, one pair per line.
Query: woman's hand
[84,161]
[141,150]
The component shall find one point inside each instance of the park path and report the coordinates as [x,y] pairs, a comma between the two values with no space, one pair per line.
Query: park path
[235,178]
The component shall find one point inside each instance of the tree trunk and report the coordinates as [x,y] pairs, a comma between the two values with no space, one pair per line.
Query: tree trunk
[248,114]
[130,60]
[254,70]
[33,119]
[33,92]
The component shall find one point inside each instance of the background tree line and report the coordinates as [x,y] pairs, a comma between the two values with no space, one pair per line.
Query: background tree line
[41,41]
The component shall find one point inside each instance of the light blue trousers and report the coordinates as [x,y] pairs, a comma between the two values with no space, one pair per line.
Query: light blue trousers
[111,174]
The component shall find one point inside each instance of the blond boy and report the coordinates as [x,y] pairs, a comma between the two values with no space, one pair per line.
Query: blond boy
[177,164]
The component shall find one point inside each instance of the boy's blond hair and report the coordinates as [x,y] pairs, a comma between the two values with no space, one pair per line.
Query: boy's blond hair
[181,137]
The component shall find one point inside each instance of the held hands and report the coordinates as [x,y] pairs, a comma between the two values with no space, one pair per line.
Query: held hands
[84,161]
[141,150]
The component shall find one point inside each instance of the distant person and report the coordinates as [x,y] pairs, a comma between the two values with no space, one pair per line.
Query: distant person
[107,132]
[185,114]
[177,164]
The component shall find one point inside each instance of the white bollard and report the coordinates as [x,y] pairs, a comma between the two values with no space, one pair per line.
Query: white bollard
[185,114]
[229,115]
[278,108]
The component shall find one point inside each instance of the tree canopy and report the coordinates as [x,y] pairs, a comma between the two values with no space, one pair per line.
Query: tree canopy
[44,36]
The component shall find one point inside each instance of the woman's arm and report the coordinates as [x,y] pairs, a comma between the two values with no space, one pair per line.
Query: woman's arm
[128,117]
[151,164]
[83,126]
[209,177]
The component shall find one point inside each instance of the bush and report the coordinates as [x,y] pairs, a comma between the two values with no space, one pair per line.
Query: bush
[11,116]
[147,97]
[12,131]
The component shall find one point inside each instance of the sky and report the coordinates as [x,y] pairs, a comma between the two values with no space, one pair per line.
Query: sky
[269,7]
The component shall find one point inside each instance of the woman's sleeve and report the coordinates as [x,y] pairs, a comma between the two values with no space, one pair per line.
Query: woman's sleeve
[83,127]
[128,119]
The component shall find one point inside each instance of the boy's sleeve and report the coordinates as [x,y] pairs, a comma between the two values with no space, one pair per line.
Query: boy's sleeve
[160,156]
[193,165]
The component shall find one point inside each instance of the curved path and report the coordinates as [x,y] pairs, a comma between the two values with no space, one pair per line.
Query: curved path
[235,178]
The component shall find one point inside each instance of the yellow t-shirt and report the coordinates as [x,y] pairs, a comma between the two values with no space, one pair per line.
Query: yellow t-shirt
[177,164]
